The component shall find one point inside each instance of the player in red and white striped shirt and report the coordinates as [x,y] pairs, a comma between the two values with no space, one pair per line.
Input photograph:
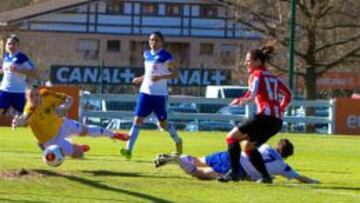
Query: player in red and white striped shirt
[264,89]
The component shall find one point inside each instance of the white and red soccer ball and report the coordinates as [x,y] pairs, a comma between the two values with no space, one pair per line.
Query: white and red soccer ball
[53,156]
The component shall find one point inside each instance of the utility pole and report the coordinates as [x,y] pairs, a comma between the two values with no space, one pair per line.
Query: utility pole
[292,24]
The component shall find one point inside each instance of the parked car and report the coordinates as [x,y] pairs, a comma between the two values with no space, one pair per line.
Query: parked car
[225,91]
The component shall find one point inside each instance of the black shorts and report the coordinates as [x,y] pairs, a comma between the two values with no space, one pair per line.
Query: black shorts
[260,128]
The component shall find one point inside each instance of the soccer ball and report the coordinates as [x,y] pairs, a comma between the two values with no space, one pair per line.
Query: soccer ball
[53,156]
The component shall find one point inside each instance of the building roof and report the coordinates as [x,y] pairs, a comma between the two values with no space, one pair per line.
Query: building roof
[44,7]
[37,9]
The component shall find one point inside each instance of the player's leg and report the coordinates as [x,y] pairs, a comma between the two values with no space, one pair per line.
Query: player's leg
[160,110]
[67,129]
[79,150]
[164,159]
[17,101]
[97,131]
[197,167]
[205,174]
[72,127]
[68,148]
[256,160]
[259,131]
[4,102]
[233,138]
[173,133]
[142,110]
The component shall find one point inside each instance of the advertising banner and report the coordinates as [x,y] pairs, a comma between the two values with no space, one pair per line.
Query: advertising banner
[62,74]
[347,116]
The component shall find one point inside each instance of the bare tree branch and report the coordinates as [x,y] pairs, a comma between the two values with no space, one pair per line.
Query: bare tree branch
[341,26]
[283,70]
[303,8]
[326,46]
[341,59]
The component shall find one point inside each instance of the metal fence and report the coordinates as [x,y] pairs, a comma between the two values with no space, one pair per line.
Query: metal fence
[195,110]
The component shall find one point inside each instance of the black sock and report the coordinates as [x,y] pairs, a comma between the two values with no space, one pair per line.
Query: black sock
[234,154]
[258,162]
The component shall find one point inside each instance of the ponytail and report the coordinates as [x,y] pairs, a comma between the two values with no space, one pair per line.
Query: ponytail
[263,54]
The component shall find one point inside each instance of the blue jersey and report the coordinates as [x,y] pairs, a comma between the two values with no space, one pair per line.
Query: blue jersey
[13,81]
[156,63]
[220,162]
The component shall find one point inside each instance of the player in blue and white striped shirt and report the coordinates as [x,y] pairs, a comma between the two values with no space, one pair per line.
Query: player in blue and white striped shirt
[153,92]
[15,67]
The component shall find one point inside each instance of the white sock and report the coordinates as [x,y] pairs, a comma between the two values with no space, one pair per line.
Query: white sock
[96,131]
[134,132]
[172,131]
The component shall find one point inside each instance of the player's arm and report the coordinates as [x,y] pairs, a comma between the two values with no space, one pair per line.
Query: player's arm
[67,102]
[250,94]
[26,68]
[21,120]
[138,80]
[63,103]
[287,96]
[173,73]
[304,179]
[290,173]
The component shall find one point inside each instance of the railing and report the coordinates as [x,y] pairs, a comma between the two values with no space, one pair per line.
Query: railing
[297,107]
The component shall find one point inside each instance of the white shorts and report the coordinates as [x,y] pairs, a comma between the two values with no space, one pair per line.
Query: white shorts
[67,129]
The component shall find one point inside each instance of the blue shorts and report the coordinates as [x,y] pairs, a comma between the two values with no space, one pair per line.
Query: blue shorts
[220,163]
[15,100]
[146,104]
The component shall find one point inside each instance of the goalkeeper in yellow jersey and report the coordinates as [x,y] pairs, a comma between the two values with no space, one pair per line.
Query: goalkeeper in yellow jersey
[40,113]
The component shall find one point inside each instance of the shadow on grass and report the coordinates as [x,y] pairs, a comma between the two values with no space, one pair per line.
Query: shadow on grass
[112,173]
[318,171]
[142,161]
[336,188]
[100,186]
[23,201]
[316,186]
[124,174]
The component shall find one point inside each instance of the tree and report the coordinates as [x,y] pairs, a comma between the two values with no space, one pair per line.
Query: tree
[327,33]
[7,5]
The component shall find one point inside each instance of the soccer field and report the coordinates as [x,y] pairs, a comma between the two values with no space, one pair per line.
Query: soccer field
[105,176]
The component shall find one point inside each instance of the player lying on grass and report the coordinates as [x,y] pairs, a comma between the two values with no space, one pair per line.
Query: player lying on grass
[214,165]
[40,113]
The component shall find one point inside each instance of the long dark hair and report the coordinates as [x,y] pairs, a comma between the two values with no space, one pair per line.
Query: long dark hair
[263,54]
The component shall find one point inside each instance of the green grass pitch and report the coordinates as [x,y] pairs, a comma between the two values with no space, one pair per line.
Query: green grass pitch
[105,176]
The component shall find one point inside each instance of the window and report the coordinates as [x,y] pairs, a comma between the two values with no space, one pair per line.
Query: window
[113,45]
[208,11]
[173,10]
[149,9]
[206,49]
[89,48]
[72,10]
[229,53]
[115,7]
